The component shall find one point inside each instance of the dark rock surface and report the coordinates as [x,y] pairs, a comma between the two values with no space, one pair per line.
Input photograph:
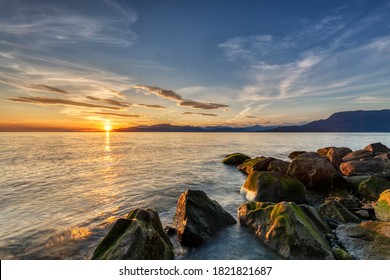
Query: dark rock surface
[235,159]
[333,209]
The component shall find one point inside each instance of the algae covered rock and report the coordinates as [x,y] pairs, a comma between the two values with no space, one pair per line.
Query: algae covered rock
[267,186]
[138,237]
[235,159]
[256,164]
[366,241]
[198,217]
[334,210]
[285,228]
[382,207]
[315,172]
[373,187]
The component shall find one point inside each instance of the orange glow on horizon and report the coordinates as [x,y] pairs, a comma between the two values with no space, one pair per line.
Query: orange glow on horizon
[107,127]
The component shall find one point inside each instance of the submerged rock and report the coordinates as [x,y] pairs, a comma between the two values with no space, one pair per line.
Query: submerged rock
[256,164]
[285,228]
[334,210]
[270,186]
[138,237]
[373,187]
[315,172]
[364,166]
[366,241]
[382,207]
[235,159]
[198,217]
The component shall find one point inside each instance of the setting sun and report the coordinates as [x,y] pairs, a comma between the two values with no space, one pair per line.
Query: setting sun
[107,127]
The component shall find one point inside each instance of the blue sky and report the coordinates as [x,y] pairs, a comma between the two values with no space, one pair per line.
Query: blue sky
[84,63]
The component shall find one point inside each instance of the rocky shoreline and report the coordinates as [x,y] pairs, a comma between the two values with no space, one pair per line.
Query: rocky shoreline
[330,204]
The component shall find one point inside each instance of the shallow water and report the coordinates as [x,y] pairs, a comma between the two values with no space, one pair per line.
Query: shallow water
[61,192]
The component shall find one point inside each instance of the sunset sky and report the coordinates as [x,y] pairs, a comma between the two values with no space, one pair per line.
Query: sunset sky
[67,65]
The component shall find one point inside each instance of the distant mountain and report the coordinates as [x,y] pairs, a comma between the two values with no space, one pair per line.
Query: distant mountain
[176,128]
[352,121]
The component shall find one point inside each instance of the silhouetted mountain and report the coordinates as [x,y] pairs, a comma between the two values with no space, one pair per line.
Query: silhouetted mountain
[175,128]
[352,121]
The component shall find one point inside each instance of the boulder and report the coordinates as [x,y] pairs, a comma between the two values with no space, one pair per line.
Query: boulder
[335,154]
[364,166]
[294,154]
[198,217]
[354,181]
[140,236]
[349,202]
[235,159]
[382,207]
[279,166]
[267,186]
[357,155]
[373,187]
[285,228]
[315,217]
[315,172]
[256,164]
[366,241]
[383,156]
[376,148]
[334,210]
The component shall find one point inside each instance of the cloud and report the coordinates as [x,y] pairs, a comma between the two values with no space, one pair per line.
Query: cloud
[171,95]
[111,101]
[47,88]
[116,114]
[56,101]
[369,99]
[151,106]
[251,117]
[200,114]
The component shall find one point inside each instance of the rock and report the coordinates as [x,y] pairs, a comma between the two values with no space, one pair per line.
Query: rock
[235,159]
[138,237]
[294,154]
[198,217]
[366,241]
[373,187]
[285,228]
[333,209]
[384,156]
[316,219]
[357,155]
[382,207]
[279,166]
[270,186]
[335,154]
[354,181]
[315,172]
[256,164]
[349,202]
[341,254]
[377,148]
[364,167]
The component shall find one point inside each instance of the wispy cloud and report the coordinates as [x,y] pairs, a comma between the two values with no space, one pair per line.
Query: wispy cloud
[41,87]
[200,114]
[111,101]
[116,114]
[151,106]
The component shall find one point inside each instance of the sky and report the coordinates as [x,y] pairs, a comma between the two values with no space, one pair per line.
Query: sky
[79,65]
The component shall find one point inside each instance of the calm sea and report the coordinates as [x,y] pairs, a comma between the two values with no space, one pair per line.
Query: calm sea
[61,192]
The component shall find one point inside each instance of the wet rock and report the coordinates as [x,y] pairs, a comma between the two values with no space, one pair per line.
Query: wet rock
[315,172]
[354,181]
[279,166]
[382,207]
[357,155]
[373,187]
[270,186]
[333,209]
[256,164]
[198,218]
[336,155]
[317,220]
[285,228]
[294,154]
[377,148]
[235,159]
[366,241]
[364,166]
[138,237]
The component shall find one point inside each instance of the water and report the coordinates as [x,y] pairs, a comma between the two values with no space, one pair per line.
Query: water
[61,192]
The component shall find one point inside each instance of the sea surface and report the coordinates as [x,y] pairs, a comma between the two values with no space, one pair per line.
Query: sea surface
[61,192]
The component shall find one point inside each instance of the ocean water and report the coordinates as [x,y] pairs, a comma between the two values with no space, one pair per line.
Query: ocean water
[61,192]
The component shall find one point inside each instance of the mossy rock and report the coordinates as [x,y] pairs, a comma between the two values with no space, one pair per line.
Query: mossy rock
[256,164]
[235,159]
[285,228]
[334,210]
[341,254]
[382,207]
[373,187]
[267,186]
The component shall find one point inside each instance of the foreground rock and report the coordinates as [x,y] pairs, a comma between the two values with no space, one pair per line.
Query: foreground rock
[315,172]
[198,217]
[335,154]
[235,159]
[373,187]
[279,166]
[267,186]
[138,237]
[365,166]
[366,241]
[256,164]
[285,228]
[334,210]
[382,207]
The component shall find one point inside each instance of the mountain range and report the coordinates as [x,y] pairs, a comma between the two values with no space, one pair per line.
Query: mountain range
[350,121]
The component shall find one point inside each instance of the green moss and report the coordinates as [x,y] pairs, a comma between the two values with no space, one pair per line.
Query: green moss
[235,159]
[341,254]
[373,187]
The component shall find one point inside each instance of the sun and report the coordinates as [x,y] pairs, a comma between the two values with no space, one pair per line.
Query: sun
[107,127]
